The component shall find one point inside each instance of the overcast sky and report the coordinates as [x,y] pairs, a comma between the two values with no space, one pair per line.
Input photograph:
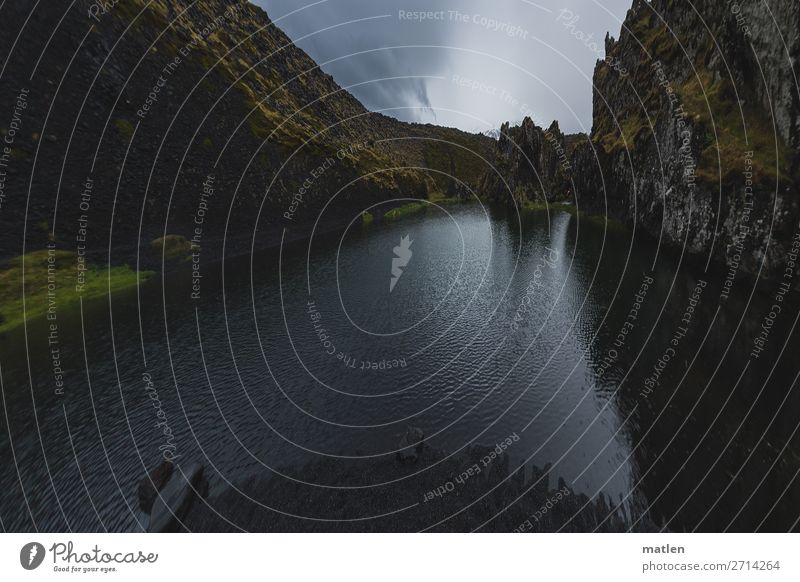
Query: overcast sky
[472,64]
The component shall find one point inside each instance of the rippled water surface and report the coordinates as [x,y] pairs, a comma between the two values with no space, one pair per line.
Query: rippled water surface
[545,328]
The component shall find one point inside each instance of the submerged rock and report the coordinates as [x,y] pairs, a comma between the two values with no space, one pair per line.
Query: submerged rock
[411,445]
[152,483]
[175,499]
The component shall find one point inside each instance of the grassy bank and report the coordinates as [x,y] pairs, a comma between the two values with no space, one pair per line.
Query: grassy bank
[55,279]
[584,217]
[415,208]
[405,211]
[172,247]
[552,206]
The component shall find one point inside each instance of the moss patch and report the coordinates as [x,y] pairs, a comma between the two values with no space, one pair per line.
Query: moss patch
[124,128]
[173,247]
[624,137]
[723,155]
[52,275]
[585,218]
[601,221]
[443,199]
[552,206]
[405,211]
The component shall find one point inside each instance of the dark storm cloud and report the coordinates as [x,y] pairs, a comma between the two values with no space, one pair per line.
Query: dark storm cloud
[357,40]
[384,79]
[525,58]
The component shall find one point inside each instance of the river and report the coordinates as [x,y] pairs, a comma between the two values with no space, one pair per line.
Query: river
[616,366]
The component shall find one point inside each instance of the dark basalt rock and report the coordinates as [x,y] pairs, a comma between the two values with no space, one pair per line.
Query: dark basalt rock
[519,493]
[672,102]
[151,484]
[411,445]
[532,164]
[175,499]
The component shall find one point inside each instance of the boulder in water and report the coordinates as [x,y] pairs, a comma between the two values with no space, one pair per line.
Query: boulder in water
[152,483]
[411,445]
[175,499]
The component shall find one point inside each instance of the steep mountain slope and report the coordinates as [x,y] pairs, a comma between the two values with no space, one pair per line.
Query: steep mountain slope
[171,109]
[697,141]
[532,164]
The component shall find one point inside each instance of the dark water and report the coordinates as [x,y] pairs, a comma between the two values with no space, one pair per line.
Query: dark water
[498,327]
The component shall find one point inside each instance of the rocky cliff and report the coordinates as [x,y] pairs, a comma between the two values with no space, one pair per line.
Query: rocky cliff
[138,118]
[532,164]
[696,128]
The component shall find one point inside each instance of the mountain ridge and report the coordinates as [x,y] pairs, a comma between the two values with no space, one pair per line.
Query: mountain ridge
[161,95]
[156,97]
[688,146]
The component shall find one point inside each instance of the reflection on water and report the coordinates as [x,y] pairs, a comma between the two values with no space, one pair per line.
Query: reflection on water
[554,332]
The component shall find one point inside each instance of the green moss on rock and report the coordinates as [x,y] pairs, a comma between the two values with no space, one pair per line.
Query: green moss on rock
[173,247]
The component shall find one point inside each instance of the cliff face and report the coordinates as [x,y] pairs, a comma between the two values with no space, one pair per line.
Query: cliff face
[147,100]
[531,163]
[697,141]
